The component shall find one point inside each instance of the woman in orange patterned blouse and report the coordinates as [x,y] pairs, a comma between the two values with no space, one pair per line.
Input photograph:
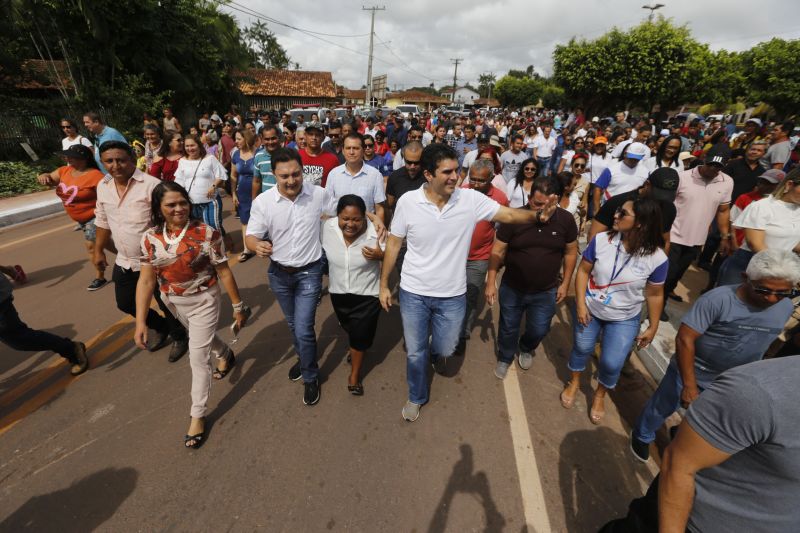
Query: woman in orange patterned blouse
[186,259]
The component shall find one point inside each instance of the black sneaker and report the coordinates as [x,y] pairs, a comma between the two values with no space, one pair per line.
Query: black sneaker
[461,347]
[294,372]
[160,340]
[440,365]
[81,362]
[97,284]
[179,348]
[311,393]
[641,450]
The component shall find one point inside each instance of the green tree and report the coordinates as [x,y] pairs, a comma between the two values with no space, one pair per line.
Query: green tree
[654,62]
[553,97]
[773,74]
[518,92]
[265,50]
[486,84]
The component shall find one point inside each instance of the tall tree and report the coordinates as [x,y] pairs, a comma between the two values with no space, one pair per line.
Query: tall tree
[265,50]
[486,84]
[773,74]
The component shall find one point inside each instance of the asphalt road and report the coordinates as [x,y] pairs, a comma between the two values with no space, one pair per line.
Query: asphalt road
[104,451]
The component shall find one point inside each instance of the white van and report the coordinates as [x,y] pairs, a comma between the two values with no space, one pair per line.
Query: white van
[408,109]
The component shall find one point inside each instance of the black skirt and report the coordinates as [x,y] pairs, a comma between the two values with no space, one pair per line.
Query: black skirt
[358,314]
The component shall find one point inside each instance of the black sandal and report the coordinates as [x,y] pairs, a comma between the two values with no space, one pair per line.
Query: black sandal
[230,359]
[357,389]
[198,439]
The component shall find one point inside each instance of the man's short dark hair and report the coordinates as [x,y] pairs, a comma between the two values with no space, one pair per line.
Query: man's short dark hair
[285,155]
[548,185]
[334,125]
[518,137]
[416,127]
[94,116]
[787,127]
[268,127]
[118,145]
[354,135]
[470,127]
[433,154]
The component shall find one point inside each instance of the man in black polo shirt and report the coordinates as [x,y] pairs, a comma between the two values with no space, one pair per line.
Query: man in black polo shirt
[661,185]
[405,179]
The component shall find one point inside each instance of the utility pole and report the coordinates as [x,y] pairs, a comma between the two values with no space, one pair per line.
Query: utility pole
[369,64]
[455,61]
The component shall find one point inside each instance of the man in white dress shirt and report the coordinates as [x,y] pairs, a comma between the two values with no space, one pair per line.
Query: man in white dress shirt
[285,226]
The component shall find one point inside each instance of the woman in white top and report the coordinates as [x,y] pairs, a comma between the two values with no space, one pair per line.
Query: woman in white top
[519,189]
[770,223]
[530,137]
[667,155]
[620,270]
[354,262]
[202,175]
[70,129]
[566,158]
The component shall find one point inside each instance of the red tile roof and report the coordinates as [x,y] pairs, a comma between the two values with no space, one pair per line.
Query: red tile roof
[419,96]
[290,83]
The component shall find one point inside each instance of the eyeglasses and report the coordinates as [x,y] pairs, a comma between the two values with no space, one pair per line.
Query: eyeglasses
[410,163]
[622,213]
[529,169]
[770,292]
[578,165]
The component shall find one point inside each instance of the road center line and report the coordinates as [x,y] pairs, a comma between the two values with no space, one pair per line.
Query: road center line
[528,472]
[36,236]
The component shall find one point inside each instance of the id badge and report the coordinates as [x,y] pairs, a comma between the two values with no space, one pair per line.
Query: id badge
[603,297]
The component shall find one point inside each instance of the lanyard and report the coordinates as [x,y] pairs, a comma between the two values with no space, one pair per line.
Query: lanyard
[614,273]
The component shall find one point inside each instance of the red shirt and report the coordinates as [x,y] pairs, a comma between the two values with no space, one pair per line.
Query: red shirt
[228,144]
[317,167]
[164,169]
[480,248]
[743,201]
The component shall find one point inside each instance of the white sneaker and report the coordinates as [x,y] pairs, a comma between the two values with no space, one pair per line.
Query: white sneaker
[501,369]
[525,360]
[411,411]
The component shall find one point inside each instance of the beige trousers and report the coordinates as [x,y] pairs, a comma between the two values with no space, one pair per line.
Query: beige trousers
[199,312]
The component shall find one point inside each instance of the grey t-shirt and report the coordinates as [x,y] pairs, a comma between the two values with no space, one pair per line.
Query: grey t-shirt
[732,332]
[751,413]
[777,153]
[511,163]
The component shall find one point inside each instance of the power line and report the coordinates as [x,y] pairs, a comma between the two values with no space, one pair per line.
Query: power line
[279,23]
[385,45]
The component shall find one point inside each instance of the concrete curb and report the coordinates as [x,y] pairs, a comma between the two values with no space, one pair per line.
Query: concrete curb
[656,357]
[39,209]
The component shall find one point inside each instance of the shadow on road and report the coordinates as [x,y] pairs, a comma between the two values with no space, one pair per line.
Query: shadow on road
[83,506]
[476,484]
[56,274]
[597,478]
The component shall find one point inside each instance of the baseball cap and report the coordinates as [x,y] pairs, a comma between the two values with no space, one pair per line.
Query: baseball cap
[314,126]
[78,151]
[683,156]
[494,140]
[664,183]
[600,140]
[718,155]
[595,119]
[665,132]
[636,150]
[484,138]
[216,117]
[756,121]
[773,175]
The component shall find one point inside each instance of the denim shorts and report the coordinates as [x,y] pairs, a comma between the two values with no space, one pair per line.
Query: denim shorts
[89,230]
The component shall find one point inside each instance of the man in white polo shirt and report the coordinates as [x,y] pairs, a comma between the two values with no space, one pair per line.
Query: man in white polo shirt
[356,177]
[622,176]
[437,221]
[543,147]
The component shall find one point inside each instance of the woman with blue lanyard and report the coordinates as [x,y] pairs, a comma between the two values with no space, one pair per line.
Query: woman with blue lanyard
[621,269]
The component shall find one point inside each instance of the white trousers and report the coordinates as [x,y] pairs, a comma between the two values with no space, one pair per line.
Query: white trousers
[199,312]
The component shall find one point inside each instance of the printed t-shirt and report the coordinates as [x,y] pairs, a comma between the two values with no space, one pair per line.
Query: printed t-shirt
[511,163]
[617,280]
[732,332]
[188,267]
[480,248]
[78,193]
[779,220]
[317,167]
[535,251]
[619,178]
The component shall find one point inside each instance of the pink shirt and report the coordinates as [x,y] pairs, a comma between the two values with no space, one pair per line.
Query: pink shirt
[128,217]
[696,204]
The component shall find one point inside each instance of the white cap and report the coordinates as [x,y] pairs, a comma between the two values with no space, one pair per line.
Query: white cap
[637,150]
[665,132]
[756,121]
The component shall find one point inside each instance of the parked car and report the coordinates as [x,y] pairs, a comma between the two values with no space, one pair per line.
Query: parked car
[408,109]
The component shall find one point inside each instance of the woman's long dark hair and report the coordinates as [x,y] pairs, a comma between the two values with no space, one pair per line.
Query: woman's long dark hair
[663,148]
[164,150]
[156,218]
[646,236]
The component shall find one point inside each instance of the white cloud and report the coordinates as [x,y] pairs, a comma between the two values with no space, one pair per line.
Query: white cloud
[490,36]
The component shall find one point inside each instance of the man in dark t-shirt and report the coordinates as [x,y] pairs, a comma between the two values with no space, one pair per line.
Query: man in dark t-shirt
[661,185]
[532,284]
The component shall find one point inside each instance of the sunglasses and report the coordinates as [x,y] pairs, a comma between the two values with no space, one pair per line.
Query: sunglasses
[410,163]
[529,169]
[770,292]
[577,165]
[370,145]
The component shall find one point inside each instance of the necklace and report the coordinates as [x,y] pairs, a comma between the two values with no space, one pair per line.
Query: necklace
[176,240]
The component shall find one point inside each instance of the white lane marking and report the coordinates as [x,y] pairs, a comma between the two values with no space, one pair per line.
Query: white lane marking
[36,236]
[529,481]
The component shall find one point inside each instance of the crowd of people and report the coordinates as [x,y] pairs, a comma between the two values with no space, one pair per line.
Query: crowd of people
[444,203]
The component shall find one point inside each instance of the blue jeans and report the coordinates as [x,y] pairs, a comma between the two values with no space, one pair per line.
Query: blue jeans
[538,307]
[618,337]
[544,165]
[423,316]
[297,294]
[663,403]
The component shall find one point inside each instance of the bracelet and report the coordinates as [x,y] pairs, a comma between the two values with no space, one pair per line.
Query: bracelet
[241,306]
[726,236]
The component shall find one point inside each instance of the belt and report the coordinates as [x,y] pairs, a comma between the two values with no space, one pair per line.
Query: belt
[292,270]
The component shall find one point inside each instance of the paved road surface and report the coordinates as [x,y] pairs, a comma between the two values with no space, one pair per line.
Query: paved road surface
[104,451]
